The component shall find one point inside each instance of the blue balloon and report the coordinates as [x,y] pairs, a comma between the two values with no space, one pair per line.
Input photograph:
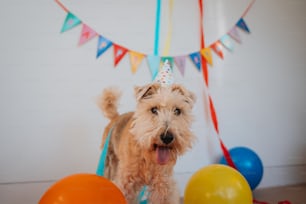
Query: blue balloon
[248,164]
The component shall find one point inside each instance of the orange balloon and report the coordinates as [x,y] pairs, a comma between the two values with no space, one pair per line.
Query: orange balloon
[83,189]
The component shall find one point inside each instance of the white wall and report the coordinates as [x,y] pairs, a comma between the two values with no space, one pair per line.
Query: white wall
[50,126]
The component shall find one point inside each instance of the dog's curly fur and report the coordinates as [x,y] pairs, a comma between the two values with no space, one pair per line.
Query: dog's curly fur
[145,144]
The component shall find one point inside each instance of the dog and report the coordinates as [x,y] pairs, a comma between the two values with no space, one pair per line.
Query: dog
[144,145]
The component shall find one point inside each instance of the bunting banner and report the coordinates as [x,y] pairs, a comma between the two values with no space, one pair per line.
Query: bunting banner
[180,62]
[119,53]
[136,59]
[86,34]
[153,62]
[217,48]
[227,42]
[170,60]
[199,58]
[103,45]
[242,25]
[206,53]
[196,59]
[234,34]
[70,22]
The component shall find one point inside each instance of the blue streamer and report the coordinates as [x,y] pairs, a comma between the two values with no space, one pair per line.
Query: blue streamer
[157,26]
[101,165]
[141,195]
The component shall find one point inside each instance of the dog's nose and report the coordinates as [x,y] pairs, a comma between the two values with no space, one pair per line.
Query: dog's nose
[167,138]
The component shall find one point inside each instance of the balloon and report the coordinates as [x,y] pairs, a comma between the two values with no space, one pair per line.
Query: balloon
[247,163]
[217,184]
[83,189]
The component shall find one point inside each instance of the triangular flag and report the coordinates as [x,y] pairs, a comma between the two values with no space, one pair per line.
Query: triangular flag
[234,34]
[86,34]
[217,48]
[70,22]
[196,59]
[153,61]
[180,62]
[170,61]
[136,59]
[119,53]
[242,25]
[226,41]
[103,45]
[206,53]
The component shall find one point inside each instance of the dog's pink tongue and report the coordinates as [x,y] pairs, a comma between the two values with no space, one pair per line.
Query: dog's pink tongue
[163,155]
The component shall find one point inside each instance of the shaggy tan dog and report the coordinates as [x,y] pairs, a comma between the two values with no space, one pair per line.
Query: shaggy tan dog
[145,144]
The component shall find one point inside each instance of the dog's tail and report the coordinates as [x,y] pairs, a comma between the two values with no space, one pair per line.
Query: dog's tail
[108,102]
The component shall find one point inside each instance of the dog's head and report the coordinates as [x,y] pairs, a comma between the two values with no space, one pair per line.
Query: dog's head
[162,121]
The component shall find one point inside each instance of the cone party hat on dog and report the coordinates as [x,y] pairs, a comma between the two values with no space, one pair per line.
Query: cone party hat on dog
[165,74]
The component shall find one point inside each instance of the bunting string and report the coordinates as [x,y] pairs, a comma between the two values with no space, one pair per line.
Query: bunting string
[199,58]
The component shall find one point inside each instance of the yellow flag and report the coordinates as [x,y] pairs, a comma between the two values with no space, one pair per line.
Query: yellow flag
[136,59]
[206,53]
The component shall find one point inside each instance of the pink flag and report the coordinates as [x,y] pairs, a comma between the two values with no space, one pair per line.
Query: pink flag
[180,62]
[86,34]
[234,34]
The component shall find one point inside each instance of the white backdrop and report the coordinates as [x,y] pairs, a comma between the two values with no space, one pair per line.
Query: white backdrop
[51,127]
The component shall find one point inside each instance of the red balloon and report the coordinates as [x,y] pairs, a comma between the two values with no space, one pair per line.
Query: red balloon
[83,189]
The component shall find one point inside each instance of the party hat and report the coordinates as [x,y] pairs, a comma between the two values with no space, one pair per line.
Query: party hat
[165,74]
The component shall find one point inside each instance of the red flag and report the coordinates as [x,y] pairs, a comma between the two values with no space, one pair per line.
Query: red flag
[119,53]
[217,48]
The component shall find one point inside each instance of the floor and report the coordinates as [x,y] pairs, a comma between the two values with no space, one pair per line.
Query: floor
[29,193]
[294,194]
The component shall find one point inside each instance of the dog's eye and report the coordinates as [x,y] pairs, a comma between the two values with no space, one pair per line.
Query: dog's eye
[177,111]
[154,110]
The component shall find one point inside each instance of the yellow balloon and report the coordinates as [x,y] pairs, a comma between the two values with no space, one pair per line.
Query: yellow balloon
[217,184]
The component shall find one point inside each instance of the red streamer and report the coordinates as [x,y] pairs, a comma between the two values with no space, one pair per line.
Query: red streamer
[262,202]
[213,114]
[284,202]
[259,202]
[203,61]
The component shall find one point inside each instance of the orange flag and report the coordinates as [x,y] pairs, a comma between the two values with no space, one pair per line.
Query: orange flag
[206,53]
[136,59]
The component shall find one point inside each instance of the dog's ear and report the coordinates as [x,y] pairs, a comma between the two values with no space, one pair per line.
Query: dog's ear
[189,96]
[145,92]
